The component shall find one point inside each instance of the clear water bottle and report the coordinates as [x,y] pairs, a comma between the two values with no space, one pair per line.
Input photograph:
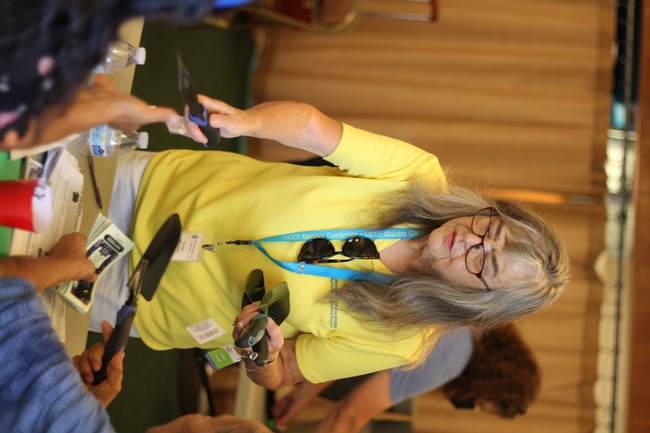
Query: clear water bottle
[108,142]
[120,55]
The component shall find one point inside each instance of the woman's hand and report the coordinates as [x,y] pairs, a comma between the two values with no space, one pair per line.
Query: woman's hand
[65,262]
[230,121]
[293,124]
[273,333]
[282,369]
[90,361]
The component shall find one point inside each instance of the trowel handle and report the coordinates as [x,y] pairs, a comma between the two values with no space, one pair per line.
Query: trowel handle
[117,341]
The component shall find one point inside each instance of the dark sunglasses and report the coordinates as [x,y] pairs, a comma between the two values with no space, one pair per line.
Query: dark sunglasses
[319,250]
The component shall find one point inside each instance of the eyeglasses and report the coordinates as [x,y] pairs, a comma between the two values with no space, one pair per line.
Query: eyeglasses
[475,257]
[319,250]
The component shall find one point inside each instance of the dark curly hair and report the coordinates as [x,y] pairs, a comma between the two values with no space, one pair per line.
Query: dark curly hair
[76,34]
[502,370]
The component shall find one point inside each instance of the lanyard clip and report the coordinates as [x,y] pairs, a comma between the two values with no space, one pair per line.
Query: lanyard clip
[239,242]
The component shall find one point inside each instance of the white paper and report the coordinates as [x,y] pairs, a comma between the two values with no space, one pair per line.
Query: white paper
[206,331]
[106,246]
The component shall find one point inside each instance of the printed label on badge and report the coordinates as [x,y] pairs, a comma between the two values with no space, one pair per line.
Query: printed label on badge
[222,357]
[205,331]
[188,248]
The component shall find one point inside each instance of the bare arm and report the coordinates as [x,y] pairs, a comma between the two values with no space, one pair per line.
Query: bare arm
[359,406]
[286,409]
[67,261]
[95,105]
[293,124]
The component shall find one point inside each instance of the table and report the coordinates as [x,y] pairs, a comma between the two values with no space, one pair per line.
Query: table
[76,324]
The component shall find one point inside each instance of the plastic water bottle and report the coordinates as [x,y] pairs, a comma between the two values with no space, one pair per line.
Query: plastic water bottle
[120,55]
[108,142]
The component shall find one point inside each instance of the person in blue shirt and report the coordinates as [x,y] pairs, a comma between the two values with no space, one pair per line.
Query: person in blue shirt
[41,389]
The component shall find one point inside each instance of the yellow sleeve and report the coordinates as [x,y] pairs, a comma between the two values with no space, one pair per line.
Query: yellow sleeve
[365,154]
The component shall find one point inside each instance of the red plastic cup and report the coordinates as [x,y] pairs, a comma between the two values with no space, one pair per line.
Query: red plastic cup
[25,204]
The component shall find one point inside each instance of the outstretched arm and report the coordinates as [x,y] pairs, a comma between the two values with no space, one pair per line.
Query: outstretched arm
[66,262]
[293,124]
[285,410]
[95,105]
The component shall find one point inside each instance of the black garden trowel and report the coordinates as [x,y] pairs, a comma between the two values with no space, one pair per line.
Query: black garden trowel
[144,280]
[274,304]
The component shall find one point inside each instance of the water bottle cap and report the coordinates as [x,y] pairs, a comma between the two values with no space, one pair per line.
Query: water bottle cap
[143,140]
[140,55]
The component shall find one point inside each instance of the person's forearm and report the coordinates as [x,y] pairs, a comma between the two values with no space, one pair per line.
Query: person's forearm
[42,272]
[310,390]
[365,401]
[297,125]
[341,420]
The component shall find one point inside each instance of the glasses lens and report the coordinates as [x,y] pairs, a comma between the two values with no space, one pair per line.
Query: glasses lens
[316,249]
[481,221]
[475,259]
[360,248]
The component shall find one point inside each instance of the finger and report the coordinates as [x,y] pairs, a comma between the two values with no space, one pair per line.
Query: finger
[75,362]
[243,319]
[248,312]
[95,356]
[161,114]
[115,372]
[85,369]
[213,106]
[276,340]
[107,330]
[193,129]
[107,390]
[88,271]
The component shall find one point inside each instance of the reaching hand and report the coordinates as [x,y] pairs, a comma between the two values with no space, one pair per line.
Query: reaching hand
[230,121]
[71,250]
[65,262]
[90,361]
[286,409]
[94,105]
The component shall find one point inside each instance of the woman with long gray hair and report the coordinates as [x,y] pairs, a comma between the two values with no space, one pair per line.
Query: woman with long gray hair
[379,253]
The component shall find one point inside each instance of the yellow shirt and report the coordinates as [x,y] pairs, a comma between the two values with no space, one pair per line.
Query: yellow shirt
[231,196]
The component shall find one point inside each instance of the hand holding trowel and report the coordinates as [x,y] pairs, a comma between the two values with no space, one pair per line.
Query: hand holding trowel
[144,280]
[197,112]
[274,304]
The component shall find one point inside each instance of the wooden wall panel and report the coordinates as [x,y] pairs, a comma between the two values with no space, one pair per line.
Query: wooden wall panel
[487,86]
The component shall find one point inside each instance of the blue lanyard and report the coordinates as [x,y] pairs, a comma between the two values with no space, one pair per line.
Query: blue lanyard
[328,271]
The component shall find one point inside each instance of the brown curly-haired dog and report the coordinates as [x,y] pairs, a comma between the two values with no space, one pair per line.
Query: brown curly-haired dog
[502,374]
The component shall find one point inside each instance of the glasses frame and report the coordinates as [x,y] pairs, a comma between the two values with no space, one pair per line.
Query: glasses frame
[479,274]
